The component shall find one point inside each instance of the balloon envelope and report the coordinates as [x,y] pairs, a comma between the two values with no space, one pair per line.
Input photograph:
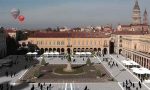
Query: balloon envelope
[15,13]
[21,18]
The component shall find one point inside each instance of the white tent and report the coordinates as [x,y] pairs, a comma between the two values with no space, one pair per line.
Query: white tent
[82,53]
[56,53]
[126,62]
[46,53]
[51,53]
[129,63]
[88,53]
[78,53]
[133,62]
[141,70]
[35,53]
[29,53]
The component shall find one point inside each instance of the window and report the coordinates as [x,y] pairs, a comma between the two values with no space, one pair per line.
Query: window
[45,42]
[62,43]
[120,40]
[82,42]
[78,42]
[49,42]
[87,42]
[41,42]
[91,42]
[99,43]
[53,42]
[58,43]
[37,42]
[74,42]
[95,42]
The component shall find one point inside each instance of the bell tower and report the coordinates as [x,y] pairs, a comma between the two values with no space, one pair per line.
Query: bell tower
[136,14]
[145,17]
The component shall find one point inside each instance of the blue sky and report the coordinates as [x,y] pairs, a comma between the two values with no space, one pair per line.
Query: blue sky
[71,13]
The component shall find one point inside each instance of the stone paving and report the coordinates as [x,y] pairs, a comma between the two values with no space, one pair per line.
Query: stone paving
[118,72]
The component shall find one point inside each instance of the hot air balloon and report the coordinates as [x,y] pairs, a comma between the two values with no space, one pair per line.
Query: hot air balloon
[21,18]
[15,13]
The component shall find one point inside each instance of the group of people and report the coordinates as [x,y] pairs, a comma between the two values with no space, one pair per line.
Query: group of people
[112,63]
[128,85]
[42,87]
[6,87]
[7,73]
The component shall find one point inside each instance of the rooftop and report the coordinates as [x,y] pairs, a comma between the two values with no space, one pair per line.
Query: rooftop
[70,34]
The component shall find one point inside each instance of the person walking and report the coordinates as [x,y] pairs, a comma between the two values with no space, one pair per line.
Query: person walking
[139,83]
[85,88]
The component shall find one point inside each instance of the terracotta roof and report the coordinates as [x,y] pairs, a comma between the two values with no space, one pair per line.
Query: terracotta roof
[10,31]
[125,25]
[134,25]
[130,32]
[69,34]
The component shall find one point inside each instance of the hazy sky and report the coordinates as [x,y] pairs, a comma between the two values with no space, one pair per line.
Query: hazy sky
[71,13]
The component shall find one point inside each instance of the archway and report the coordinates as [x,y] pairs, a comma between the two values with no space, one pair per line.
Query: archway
[105,51]
[74,50]
[46,49]
[78,50]
[68,50]
[62,50]
[95,49]
[111,47]
[42,50]
[54,49]
[58,49]
[82,50]
[99,49]
[91,49]
[87,50]
[120,50]
[50,49]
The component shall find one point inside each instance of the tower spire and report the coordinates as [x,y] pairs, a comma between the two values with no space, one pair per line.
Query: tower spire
[145,17]
[136,13]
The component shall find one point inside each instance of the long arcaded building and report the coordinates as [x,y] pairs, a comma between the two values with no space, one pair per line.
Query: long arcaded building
[70,42]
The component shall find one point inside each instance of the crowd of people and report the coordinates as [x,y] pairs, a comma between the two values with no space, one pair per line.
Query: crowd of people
[128,84]
[6,87]
[42,87]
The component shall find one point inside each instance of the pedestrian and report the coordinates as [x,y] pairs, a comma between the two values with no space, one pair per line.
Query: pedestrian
[11,74]
[133,85]
[38,84]
[14,74]
[41,87]
[123,84]
[47,88]
[126,82]
[50,85]
[6,73]
[140,85]
[11,87]
[32,88]
[141,79]
[85,88]
[116,64]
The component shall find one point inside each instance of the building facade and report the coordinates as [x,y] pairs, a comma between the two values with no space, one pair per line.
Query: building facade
[133,45]
[71,42]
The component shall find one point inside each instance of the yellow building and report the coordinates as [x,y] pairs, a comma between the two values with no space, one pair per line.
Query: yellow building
[133,45]
[70,42]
